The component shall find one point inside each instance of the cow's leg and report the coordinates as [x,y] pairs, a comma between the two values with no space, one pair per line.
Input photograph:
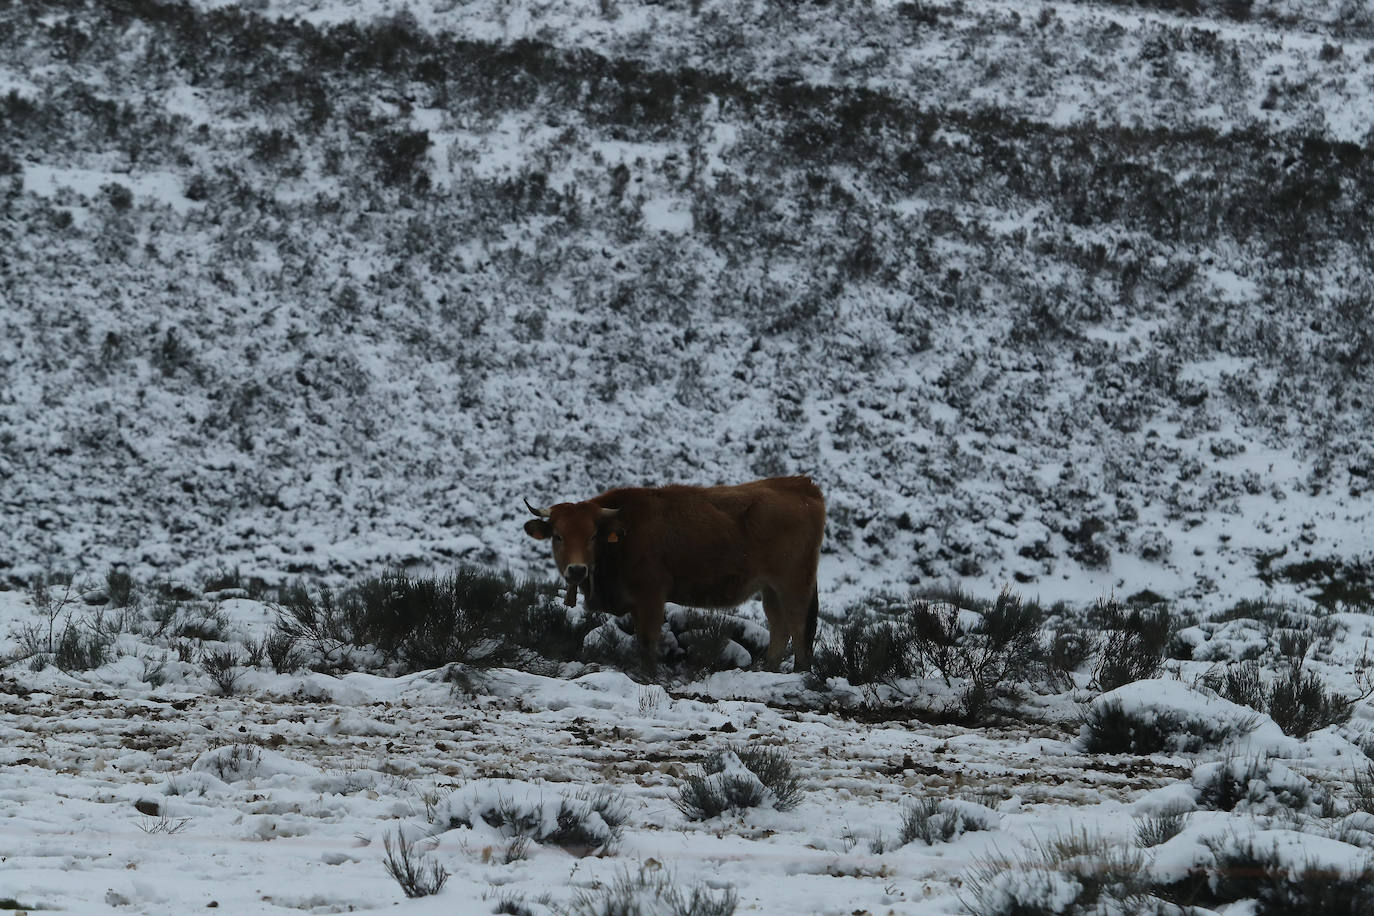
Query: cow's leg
[804,632]
[648,627]
[777,629]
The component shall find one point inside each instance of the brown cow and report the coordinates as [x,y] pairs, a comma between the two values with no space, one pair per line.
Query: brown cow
[712,547]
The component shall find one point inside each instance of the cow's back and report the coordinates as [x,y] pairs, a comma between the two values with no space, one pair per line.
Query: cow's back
[717,546]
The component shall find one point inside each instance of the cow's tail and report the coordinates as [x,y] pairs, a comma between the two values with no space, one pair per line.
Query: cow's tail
[813,614]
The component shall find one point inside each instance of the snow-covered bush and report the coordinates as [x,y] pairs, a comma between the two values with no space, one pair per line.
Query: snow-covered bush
[1155,829]
[990,648]
[1253,785]
[583,823]
[652,892]
[1296,699]
[864,652]
[740,777]
[1071,874]
[1282,872]
[474,616]
[224,668]
[1146,717]
[939,820]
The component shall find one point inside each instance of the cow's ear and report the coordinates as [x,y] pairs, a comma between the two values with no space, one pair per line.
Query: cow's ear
[539,529]
[615,534]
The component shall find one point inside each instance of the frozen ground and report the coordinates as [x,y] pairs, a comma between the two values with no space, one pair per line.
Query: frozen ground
[123,797]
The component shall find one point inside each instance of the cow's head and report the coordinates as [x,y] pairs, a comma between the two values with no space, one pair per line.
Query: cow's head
[573,530]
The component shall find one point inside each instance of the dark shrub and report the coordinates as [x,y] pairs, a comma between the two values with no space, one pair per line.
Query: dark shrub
[774,769]
[1255,781]
[401,157]
[1072,874]
[1297,700]
[1300,703]
[79,651]
[1244,870]
[652,891]
[722,788]
[418,875]
[1133,648]
[473,616]
[224,669]
[119,585]
[1110,729]
[865,652]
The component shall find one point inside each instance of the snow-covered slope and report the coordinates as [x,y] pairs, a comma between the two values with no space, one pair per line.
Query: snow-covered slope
[1072,295]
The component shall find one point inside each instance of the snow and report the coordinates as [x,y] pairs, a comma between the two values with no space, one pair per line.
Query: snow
[301,373]
[164,798]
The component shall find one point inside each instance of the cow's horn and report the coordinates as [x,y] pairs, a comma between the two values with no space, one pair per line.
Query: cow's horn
[538,513]
[609,513]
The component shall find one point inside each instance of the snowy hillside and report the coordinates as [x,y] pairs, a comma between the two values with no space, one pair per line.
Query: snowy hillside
[1072,295]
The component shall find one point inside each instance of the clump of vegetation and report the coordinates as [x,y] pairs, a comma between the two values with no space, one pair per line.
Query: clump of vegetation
[737,778]
[473,616]
[1243,870]
[865,652]
[119,586]
[224,668]
[1073,874]
[1160,828]
[1110,728]
[586,823]
[991,648]
[1296,699]
[653,890]
[1256,784]
[1134,643]
[418,875]
[934,820]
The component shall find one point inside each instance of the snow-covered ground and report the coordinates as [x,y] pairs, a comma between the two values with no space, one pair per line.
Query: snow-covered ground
[124,797]
[1069,295]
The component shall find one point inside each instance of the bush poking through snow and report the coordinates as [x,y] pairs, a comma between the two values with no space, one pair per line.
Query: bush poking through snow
[1245,870]
[1297,700]
[589,823]
[583,823]
[1362,790]
[1159,828]
[991,650]
[513,905]
[80,651]
[222,665]
[1074,873]
[1300,703]
[474,616]
[1069,650]
[738,778]
[119,586]
[1261,786]
[773,768]
[865,652]
[418,875]
[1111,728]
[652,891]
[933,820]
[1133,648]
